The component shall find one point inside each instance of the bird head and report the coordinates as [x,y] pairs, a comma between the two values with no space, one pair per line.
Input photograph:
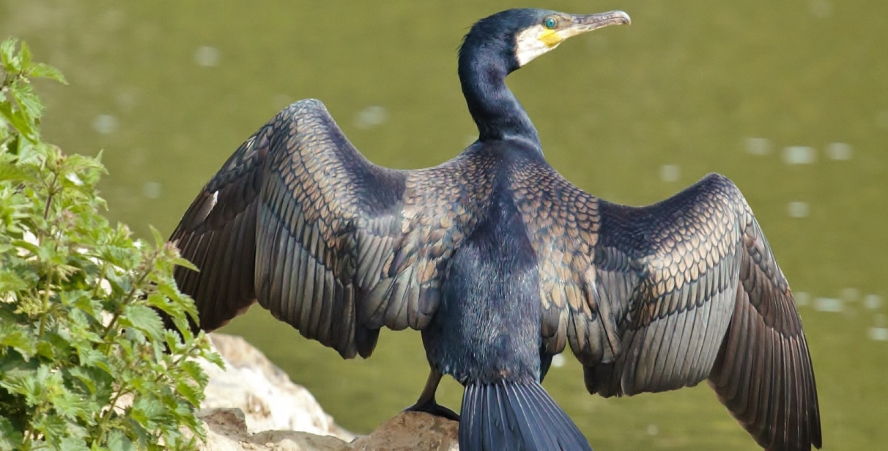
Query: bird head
[520,35]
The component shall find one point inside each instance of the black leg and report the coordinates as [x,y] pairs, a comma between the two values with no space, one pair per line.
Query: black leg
[545,362]
[426,402]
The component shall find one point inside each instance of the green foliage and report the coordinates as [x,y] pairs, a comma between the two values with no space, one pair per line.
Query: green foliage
[85,361]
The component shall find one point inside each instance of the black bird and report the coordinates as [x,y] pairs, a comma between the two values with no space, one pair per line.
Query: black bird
[501,263]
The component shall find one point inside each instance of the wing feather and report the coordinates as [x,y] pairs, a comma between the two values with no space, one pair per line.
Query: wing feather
[688,289]
[705,299]
[299,220]
[767,347]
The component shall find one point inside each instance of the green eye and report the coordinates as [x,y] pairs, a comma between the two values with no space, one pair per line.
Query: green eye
[550,22]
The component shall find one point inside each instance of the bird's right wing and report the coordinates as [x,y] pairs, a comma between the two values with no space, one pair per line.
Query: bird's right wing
[328,242]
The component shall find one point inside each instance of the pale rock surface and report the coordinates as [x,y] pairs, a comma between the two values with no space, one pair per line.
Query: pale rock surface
[253,405]
[265,394]
[410,431]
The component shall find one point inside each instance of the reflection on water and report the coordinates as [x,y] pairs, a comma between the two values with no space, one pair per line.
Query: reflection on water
[758,146]
[798,209]
[839,151]
[878,333]
[370,117]
[799,155]
[206,56]
[872,301]
[151,190]
[105,124]
[788,99]
[670,172]
[833,305]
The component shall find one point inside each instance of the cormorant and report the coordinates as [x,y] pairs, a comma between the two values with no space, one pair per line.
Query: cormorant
[501,263]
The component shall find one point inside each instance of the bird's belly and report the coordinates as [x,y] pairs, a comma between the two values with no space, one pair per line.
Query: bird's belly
[487,326]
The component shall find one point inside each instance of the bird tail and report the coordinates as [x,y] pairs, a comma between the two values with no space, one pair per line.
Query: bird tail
[515,416]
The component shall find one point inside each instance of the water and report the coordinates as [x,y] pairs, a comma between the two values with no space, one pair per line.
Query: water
[632,114]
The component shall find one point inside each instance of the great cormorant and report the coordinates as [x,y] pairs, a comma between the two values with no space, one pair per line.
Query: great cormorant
[501,263]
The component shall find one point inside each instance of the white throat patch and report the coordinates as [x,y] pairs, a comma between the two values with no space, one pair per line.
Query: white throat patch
[535,41]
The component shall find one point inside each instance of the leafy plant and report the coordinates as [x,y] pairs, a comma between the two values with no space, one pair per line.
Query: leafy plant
[85,362]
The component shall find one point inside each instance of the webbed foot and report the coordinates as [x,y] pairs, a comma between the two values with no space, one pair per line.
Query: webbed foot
[432,407]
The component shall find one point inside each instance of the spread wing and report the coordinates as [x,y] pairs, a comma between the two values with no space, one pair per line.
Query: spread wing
[665,296]
[710,302]
[328,242]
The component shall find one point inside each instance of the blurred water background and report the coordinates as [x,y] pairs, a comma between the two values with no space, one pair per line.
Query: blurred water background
[788,99]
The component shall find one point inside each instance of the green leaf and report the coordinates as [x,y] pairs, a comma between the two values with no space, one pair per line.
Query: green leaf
[212,356]
[41,70]
[10,437]
[19,376]
[147,411]
[17,119]
[17,337]
[87,305]
[191,392]
[52,427]
[173,343]
[15,174]
[10,281]
[179,261]
[85,376]
[193,369]
[163,303]
[117,441]
[159,239]
[66,403]
[142,318]
[27,245]
[45,349]
[184,327]
[7,55]
[25,55]
[27,101]
[73,444]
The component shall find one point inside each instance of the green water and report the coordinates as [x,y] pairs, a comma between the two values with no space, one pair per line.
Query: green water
[632,114]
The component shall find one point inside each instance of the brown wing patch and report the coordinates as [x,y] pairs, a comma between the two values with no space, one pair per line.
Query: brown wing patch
[562,223]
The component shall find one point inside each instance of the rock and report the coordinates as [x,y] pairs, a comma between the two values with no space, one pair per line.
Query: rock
[298,441]
[265,394]
[226,429]
[410,431]
[253,405]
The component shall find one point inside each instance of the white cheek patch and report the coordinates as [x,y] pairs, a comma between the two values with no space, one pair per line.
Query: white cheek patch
[533,42]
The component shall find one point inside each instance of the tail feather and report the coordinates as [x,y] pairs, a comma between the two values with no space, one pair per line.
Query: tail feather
[515,417]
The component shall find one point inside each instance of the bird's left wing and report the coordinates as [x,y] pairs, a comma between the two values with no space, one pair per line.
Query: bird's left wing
[335,246]
[710,302]
[662,297]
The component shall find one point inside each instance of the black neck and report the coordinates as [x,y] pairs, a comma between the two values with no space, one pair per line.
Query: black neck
[494,108]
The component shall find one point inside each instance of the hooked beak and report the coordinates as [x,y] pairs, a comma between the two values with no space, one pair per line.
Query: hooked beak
[585,23]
